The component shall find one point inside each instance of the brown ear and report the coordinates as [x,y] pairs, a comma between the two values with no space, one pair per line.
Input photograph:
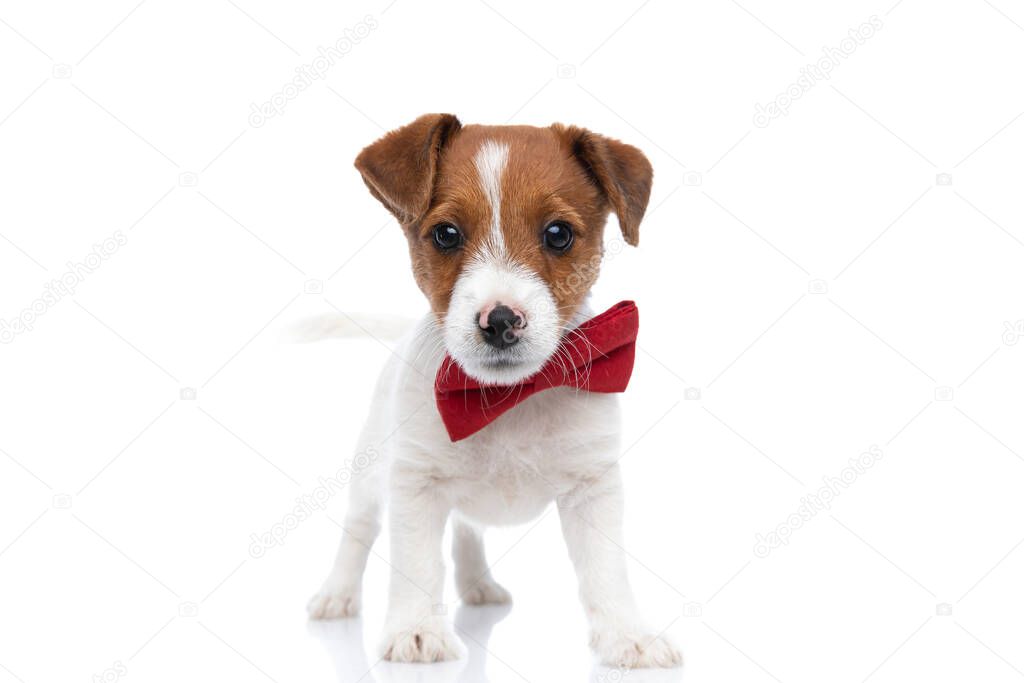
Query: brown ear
[621,171]
[399,168]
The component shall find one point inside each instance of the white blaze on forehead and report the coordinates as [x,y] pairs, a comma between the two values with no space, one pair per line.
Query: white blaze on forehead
[489,278]
[490,161]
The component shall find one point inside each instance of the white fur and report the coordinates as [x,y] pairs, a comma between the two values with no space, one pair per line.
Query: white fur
[560,445]
[490,162]
[347,326]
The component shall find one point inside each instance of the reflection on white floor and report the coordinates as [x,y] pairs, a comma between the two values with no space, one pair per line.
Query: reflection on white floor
[344,642]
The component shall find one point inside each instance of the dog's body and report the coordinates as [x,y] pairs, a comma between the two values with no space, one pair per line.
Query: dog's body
[560,445]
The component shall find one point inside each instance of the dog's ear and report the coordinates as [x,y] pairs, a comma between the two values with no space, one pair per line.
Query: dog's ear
[400,168]
[621,171]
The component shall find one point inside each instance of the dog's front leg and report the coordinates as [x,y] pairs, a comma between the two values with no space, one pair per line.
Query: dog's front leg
[416,629]
[592,524]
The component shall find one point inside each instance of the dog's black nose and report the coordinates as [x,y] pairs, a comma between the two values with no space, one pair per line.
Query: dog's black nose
[503,326]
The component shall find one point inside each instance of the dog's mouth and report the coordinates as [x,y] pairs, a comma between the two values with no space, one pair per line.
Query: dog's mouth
[495,358]
[499,361]
[499,367]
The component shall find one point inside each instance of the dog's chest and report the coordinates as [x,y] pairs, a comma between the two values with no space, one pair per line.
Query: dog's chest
[543,448]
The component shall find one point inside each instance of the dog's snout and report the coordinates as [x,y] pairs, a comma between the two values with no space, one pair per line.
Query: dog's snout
[501,325]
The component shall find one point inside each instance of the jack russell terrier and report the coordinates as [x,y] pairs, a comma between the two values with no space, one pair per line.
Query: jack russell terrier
[505,228]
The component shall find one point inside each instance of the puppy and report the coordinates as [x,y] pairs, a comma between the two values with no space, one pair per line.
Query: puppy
[504,225]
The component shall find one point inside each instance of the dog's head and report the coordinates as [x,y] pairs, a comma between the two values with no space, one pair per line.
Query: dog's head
[505,227]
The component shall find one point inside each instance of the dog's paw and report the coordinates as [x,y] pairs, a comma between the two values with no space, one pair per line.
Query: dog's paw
[485,592]
[333,602]
[634,650]
[429,641]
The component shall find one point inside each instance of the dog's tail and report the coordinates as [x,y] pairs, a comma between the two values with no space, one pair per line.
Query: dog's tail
[348,326]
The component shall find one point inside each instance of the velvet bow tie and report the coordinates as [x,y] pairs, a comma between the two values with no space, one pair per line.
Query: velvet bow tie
[597,356]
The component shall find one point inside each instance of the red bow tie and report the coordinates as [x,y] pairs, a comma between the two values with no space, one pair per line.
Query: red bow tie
[597,356]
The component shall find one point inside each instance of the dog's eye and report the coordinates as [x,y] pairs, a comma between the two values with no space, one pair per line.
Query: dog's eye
[447,236]
[558,237]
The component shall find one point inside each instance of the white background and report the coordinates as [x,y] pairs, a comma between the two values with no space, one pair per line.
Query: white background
[812,279]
